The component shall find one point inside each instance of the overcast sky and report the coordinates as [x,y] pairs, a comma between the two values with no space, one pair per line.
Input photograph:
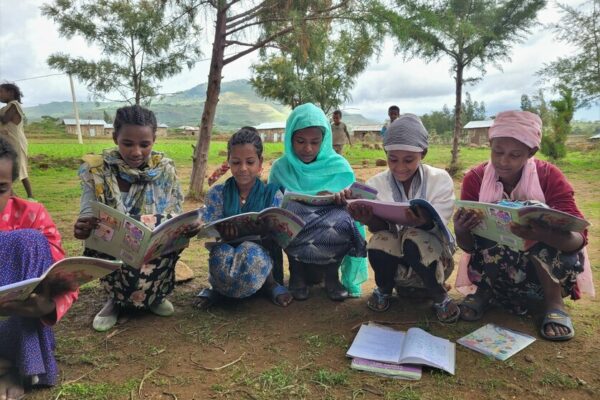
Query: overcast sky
[27,39]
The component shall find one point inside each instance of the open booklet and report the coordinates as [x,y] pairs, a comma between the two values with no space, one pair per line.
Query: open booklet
[415,346]
[495,341]
[280,224]
[395,212]
[396,371]
[127,239]
[359,191]
[74,269]
[496,220]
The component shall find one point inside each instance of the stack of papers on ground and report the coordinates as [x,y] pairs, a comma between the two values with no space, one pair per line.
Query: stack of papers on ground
[388,348]
[495,341]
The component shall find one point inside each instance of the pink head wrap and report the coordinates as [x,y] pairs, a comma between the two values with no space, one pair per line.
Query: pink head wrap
[524,126]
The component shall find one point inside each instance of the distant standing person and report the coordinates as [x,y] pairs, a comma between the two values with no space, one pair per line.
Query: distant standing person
[11,127]
[393,114]
[340,132]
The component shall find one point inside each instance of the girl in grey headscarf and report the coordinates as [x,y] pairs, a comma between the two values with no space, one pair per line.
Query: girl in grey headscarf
[415,256]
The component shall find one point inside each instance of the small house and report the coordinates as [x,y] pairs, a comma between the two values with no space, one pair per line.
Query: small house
[161,130]
[271,131]
[108,129]
[476,132]
[190,130]
[89,127]
[595,138]
[368,133]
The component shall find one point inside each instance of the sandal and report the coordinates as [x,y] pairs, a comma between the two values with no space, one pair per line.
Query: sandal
[378,301]
[443,308]
[206,298]
[557,317]
[280,290]
[474,303]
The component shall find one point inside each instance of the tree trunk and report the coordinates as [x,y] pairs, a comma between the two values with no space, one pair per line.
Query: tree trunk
[453,169]
[200,158]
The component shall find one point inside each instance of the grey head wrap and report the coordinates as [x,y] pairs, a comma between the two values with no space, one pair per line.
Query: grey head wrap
[406,133]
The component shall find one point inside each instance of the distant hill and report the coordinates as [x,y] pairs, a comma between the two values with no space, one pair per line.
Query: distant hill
[238,105]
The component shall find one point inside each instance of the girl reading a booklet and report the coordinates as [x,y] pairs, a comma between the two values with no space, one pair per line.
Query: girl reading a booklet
[330,238]
[549,269]
[29,244]
[239,268]
[140,182]
[415,256]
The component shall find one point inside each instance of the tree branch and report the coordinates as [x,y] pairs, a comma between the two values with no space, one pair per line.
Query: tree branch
[257,45]
[246,15]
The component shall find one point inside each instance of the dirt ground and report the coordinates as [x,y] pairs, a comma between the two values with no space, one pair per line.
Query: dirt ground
[253,349]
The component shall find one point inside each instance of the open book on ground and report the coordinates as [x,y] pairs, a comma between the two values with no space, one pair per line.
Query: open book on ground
[279,224]
[359,191]
[415,346]
[410,372]
[496,220]
[492,340]
[395,212]
[74,269]
[127,239]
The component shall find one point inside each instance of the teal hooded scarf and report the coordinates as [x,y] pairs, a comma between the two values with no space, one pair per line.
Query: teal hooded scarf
[329,171]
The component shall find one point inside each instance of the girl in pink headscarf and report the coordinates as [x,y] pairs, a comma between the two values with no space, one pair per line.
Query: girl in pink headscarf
[549,269]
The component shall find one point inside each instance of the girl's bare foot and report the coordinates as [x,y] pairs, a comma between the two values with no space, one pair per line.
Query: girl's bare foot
[10,384]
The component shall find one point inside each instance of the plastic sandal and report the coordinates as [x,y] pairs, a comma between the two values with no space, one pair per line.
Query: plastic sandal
[277,291]
[206,298]
[443,308]
[475,303]
[561,318]
[378,301]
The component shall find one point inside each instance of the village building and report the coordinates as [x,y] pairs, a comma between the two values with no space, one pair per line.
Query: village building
[476,132]
[98,127]
[367,133]
[271,131]
[189,130]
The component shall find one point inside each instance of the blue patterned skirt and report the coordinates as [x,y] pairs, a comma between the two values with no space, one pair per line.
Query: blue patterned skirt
[26,342]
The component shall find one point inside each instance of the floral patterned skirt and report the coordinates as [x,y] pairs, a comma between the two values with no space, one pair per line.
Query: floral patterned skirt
[511,275]
[143,287]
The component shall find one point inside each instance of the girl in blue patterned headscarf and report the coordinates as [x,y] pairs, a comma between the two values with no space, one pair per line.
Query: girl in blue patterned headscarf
[310,166]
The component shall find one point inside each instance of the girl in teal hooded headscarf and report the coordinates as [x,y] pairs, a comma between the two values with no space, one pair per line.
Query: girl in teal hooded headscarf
[330,234]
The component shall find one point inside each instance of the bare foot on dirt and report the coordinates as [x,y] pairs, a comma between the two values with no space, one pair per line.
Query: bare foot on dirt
[10,386]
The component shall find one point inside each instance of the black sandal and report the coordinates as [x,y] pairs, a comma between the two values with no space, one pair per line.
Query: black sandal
[378,301]
[206,298]
[475,303]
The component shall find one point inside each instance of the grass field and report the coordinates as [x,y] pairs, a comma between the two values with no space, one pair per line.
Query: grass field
[255,350]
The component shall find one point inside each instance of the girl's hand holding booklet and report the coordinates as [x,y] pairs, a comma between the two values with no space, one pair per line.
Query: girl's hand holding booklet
[496,220]
[359,191]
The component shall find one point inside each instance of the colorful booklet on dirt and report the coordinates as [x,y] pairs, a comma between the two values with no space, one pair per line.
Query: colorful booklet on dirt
[415,346]
[127,239]
[496,220]
[74,269]
[395,212]
[280,224]
[397,371]
[359,191]
[492,340]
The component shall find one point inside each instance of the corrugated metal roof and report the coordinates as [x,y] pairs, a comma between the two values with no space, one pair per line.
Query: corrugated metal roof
[270,125]
[597,136]
[479,124]
[367,128]
[71,121]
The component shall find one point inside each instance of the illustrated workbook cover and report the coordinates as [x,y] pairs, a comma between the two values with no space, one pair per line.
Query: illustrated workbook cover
[359,191]
[495,341]
[132,241]
[496,220]
[415,346]
[280,224]
[79,270]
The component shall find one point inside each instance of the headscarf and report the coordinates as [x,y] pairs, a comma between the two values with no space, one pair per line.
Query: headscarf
[329,171]
[154,188]
[406,133]
[524,126]
[260,197]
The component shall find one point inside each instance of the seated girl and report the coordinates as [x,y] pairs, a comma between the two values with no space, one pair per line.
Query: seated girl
[140,182]
[29,244]
[415,256]
[238,268]
[311,166]
[549,269]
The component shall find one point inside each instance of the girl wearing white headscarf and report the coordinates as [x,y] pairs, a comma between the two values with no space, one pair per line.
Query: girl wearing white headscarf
[415,256]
